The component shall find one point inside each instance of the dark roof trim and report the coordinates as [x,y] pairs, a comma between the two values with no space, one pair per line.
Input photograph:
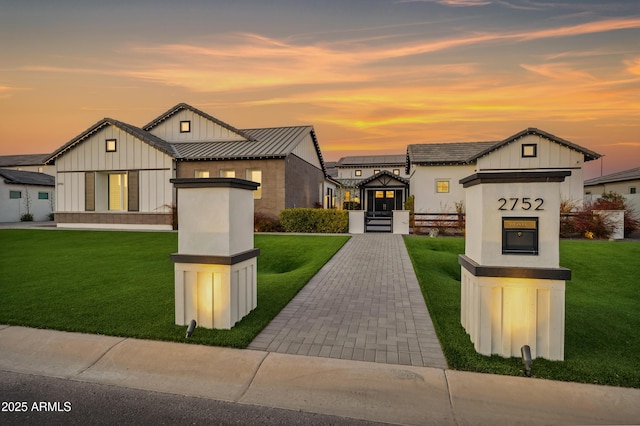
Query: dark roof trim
[203,114]
[136,132]
[477,270]
[618,177]
[21,177]
[214,183]
[514,177]
[588,154]
[383,173]
[215,260]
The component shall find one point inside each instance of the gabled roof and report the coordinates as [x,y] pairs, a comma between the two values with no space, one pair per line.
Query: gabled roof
[20,177]
[23,160]
[182,106]
[140,134]
[371,160]
[382,174]
[626,175]
[588,154]
[469,152]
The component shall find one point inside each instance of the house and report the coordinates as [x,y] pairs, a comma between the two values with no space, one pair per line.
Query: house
[118,175]
[436,169]
[23,192]
[625,183]
[371,182]
[27,163]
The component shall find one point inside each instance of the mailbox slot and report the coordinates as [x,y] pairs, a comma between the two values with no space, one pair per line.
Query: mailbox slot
[520,235]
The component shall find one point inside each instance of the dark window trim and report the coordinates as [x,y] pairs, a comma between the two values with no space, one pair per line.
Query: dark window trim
[530,145]
[43,195]
[188,123]
[15,195]
[115,145]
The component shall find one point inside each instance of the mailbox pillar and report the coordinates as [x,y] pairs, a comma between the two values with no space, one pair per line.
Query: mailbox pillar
[512,286]
[215,267]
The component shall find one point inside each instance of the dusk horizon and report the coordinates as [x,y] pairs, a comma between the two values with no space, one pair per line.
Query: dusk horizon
[371,76]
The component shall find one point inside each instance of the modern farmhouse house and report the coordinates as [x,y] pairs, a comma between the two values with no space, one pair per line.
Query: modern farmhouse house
[118,175]
[436,169]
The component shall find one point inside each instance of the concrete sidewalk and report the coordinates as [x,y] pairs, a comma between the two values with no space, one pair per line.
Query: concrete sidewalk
[396,394]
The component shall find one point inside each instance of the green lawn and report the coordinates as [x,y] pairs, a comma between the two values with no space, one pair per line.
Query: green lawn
[121,283]
[602,334]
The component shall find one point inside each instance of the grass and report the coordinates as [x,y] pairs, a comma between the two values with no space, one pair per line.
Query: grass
[602,331]
[121,283]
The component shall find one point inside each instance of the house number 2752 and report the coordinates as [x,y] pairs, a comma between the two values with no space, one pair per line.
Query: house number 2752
[525,203]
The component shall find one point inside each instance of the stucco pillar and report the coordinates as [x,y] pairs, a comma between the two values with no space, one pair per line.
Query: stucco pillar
[215,267]
[512,287]
[356,221]
[401,222]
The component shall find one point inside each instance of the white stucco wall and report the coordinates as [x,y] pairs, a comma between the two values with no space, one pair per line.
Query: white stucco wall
[12,209]
[423,186]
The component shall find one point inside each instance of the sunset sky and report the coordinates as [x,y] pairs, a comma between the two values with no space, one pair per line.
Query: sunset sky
[371,76]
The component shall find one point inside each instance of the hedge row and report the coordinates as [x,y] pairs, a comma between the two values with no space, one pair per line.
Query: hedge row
[314,220]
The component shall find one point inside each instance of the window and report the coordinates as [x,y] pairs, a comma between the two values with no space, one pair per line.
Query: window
[15,194]
[255,175]
[529,150]
[40,169]
[185,127]
[202,173]
[111,145]
[379,194]
[376,171]
[442,186]
[347,196]
[228,173]
[43,195]
[396,172]
[118,192]
[632,190]
[358,172]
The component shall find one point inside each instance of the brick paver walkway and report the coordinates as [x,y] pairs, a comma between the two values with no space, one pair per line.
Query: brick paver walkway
[364,304]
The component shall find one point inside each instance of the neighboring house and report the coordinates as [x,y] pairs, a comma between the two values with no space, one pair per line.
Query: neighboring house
[371,182]
[436,169]
[118,175]
[23,192]
[27,163]
[626,183]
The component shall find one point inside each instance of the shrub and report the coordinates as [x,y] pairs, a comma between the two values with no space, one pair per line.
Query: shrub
[27,217]
[314,220]
[264,223]
[614,201]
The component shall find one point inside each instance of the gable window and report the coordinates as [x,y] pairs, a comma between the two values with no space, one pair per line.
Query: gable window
[202,173]
[358,172]
[43,195]
[228,173]
[185,126]
[442,186]
[529,150]
[118,192]
[396,172]
[111,145]
[632,190]
[255,175]
[15,194]
[376,171]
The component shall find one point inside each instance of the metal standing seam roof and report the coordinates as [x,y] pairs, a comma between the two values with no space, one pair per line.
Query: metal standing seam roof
[21,177]
[623,176]
[276,142]
[371,160]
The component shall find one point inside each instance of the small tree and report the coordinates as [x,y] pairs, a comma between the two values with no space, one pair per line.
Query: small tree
[614,201]
[27,217]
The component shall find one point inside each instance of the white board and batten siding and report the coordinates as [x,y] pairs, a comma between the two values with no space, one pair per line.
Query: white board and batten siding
[424,183]
[306,150]
[155,170]
[201,129]
[549,155]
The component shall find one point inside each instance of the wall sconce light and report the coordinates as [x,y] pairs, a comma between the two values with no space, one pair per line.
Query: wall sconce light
[526,359]
[192,326]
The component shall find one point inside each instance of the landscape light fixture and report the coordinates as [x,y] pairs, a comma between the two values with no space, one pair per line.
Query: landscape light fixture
[192,326]
[526,359]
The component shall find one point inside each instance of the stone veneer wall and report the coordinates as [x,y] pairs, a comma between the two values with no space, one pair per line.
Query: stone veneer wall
[303,183]
[115,218]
